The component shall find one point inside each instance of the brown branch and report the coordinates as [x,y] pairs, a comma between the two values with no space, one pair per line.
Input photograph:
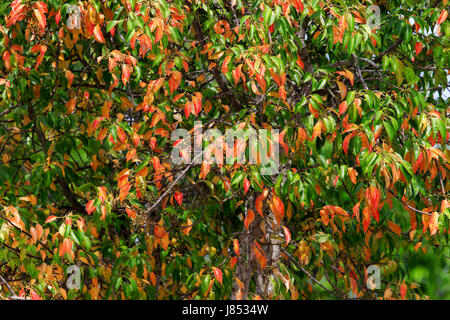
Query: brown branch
[440,179]
[13,296]
[407,205]
[309,274]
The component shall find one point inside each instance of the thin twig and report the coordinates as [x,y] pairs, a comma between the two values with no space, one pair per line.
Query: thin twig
[308,274]
[407,205]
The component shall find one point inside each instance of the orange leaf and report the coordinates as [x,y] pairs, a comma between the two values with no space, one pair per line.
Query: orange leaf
[35,296]
[204,170]
[433,223]
[394,227]
[277,207]
[188,108]
[300,62]
[102,193]
[317,130]
[197,100]
[165,241]
[70,105]
[342,89]
[178,197]
[225,64]
[444,205]
[174,81]
[373,197]
[346,143]
[233,261]
[352,173]
[442,17]
[98,35]
[259,204]
[65,247]
[342,107]
[50,219]
[40,16]
[356,211]
[287,235]
[131,213]
[418,47]
[259,254]
[349,76]
[249,218]
[236,246]
[126,71]
[218,275]
[153,278]
[246,185]
[403,289]
[366,219]
[89,207]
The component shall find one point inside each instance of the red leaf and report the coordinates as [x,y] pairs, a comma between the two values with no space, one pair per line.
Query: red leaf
[249,218]
[403,289]
[126,71]
[98,35]
[188,109]
[418,47]
[197,100]
[259,254]
[352,173]
[342,107]
[346,143]
[287,235]
[218,275]
[236,246]
[259,204]
[34,295]
[58,17]
[65,247]
[225,64]
[277,207]
[418,162]
[433,223]
[394,227]
[356,211]
[131,213]
[246,185]
[50,219]
[366,219]
[281,141]
[121,134]
[102,193]
[40,16]
[178,197]
[174,81]
[300,62]
[70,105]
[336,180]
[442,17]
[89,207]
[444,205]
[233,261]
[373,197]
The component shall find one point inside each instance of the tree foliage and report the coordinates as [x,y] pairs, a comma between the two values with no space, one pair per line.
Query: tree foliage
[92,91]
